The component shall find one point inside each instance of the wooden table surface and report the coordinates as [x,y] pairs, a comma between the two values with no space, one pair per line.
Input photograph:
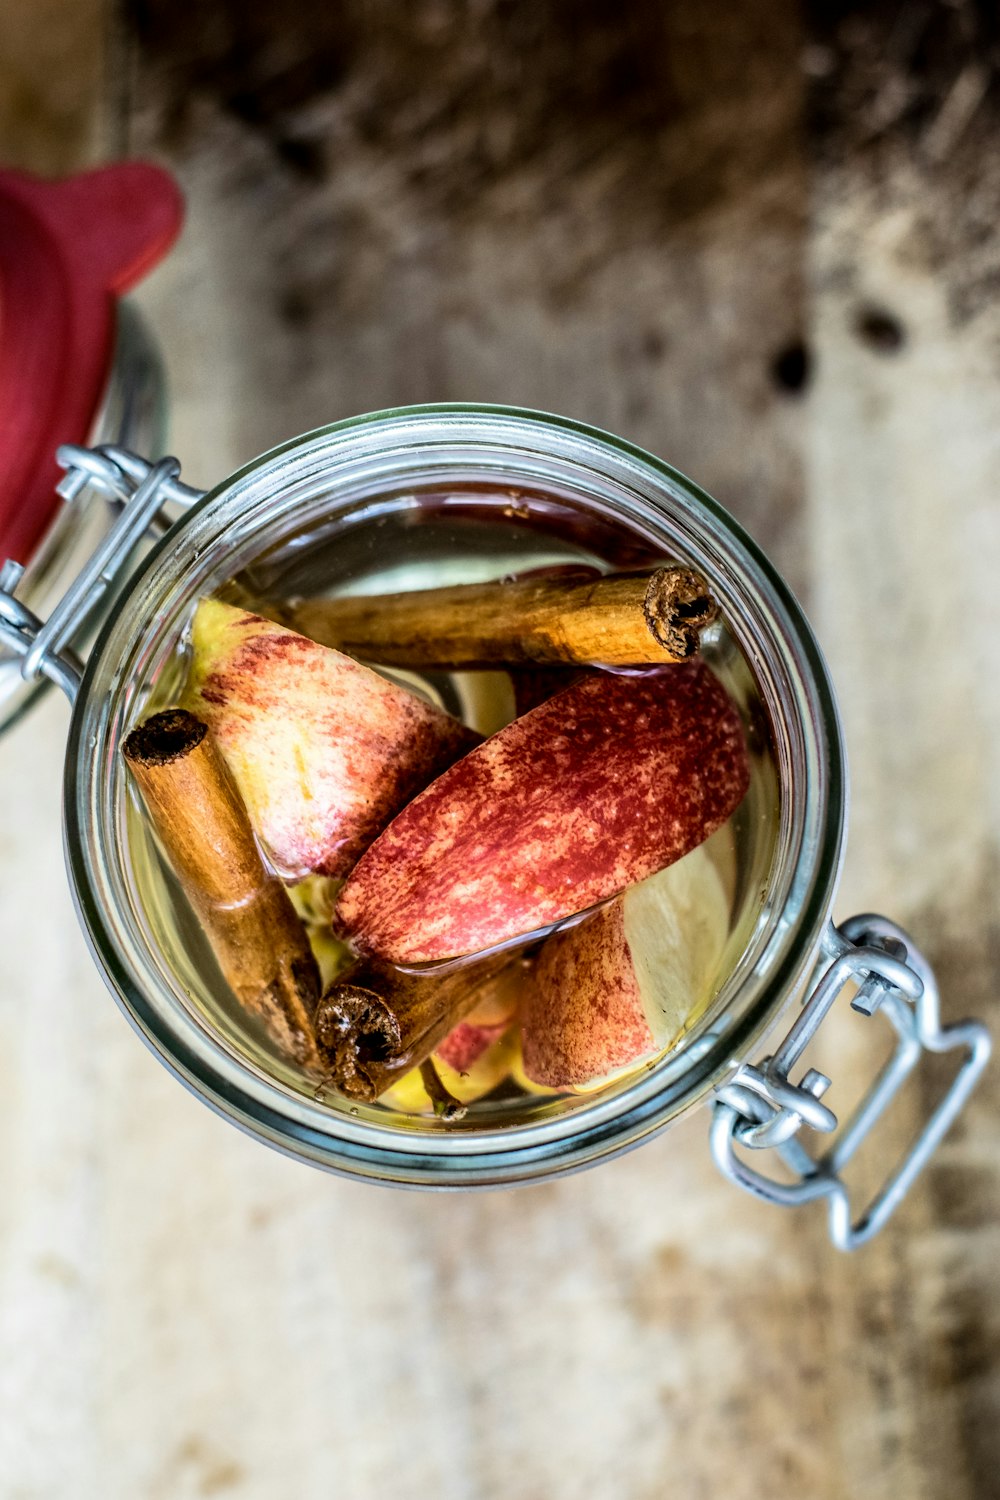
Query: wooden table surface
[762,242]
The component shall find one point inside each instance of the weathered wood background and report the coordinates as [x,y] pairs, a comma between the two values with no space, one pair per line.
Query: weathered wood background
[761,239]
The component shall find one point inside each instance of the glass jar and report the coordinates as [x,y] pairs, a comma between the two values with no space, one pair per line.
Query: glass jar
[333,497]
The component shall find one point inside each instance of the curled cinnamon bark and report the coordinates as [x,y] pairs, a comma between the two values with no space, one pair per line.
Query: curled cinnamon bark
[248,917]
[619,620]
[376,1022]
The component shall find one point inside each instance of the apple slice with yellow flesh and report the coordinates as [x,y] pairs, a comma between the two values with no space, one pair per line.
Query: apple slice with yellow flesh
[479,1078]
[324,750]
[598,787]
[625,983]
[486,1024]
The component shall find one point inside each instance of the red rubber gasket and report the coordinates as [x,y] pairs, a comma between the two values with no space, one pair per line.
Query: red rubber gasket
[68,249]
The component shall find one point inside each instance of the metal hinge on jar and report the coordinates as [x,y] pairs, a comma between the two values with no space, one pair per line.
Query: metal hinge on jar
[141,489]
[760,1108]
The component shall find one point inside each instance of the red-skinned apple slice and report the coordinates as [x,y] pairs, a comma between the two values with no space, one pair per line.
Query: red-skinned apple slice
[602,785]
[626,982]
[466,1085]
[323,750]
[467,1041]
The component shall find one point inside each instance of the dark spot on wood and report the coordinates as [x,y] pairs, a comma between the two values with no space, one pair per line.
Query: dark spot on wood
[295,306]
[880,330]
[967,1196]
[55,1268]
[306,158]
[654,344]
[197,1459]
[791,368]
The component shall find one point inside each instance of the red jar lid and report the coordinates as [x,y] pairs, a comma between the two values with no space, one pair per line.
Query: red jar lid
[67,250]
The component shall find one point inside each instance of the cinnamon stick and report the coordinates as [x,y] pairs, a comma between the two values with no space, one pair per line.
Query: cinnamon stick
[620,620]
[257,938]
[376,1022]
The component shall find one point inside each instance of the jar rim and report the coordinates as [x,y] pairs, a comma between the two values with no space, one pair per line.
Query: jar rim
[289,1121]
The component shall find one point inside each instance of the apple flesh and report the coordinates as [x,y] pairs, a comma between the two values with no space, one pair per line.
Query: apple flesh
[610,780]
[467,1042]
[324,750]
[467,1085]
[486,1023]
[625,983]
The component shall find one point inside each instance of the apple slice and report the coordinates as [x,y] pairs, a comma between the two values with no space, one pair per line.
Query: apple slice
[534,685]
[466,1044]
[466,1085]
[486,1024]
[608,781]
[323,750]
[625,983]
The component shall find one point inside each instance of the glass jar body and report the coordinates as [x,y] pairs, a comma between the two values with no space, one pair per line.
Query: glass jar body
[325,491]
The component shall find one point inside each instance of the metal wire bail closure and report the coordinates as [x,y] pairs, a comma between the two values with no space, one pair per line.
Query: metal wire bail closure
[761,1109]
[140,489]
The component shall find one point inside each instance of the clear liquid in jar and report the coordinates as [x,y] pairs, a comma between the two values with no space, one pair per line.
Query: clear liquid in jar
[421,540]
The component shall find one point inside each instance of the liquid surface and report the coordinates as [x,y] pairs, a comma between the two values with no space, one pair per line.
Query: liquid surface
[423,541]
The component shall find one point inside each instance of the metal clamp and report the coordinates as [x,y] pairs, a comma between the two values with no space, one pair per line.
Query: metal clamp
[140,489]
[760,1108]
[118,473]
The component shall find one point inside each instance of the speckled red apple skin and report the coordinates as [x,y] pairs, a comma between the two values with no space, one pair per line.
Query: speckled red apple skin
[466,1043]
[583,1012]
[324,750]
[602,785]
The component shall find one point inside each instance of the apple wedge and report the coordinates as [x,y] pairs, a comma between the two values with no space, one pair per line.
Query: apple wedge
[625,983]
[466,1085]
[486,1024]
[466,1043]
[324,750]
[600,786]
